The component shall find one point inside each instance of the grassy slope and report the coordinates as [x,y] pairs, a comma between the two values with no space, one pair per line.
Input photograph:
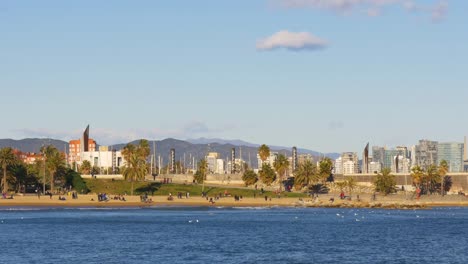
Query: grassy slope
[121,187]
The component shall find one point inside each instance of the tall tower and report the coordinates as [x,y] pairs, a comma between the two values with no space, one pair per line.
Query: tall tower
[233,160]
[173,168]
[294,159]
[85,140]
[365,159]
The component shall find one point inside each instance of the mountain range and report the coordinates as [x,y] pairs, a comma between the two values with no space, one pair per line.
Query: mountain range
[186,150]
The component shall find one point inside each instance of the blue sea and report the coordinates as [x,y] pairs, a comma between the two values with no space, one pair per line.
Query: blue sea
[232,235]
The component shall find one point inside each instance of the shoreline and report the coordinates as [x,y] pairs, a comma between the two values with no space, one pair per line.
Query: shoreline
[161,201]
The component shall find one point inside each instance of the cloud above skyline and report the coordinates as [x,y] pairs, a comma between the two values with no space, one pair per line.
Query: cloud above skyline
[295,41]
[436,9]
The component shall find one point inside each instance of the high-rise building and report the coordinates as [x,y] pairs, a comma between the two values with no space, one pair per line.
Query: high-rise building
[389,158]
[453,154]
[425,154]
[294,159]
[401,164]
[465,151]
[375,167]
[365,159]
[378,154]
[350,162]
[76,147]
[338,168]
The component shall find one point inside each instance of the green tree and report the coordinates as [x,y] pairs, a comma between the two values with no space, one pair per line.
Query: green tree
[200,174]
[417,174]
[7,158]
[19,171]
[85,167]
[305,174]
[281,165]
[249,177]
[54,161]
[264,152]
[432,179]
[135,161]
[325,169]
[385,182]
[267,175]
[443,170]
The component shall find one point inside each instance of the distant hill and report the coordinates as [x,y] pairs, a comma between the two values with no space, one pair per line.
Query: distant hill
[237,142]
[223,147]
[33,144]
[195,149]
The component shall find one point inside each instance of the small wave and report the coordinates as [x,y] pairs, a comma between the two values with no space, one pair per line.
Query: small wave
[251,208]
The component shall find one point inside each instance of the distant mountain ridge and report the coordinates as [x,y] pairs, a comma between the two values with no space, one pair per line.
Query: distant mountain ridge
[33,144]
[237,142]
[186,151]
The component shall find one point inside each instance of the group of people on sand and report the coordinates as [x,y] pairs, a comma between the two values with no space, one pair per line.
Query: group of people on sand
[5,196]
[102,197]
[145,199]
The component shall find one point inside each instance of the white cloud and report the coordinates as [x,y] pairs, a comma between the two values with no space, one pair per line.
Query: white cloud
[292,41]
[437,9]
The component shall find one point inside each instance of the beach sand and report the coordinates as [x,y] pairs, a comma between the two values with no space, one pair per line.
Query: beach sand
[323,201]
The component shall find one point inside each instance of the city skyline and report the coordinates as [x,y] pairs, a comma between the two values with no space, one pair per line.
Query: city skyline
[325,77]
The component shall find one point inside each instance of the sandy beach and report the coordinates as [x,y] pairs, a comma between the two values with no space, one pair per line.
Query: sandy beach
[322,201]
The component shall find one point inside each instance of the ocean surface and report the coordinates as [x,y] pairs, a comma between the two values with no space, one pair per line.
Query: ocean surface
[232,235]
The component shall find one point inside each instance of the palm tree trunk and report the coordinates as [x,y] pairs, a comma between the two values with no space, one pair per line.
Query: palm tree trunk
[52,181]
[5,187]
[131,192]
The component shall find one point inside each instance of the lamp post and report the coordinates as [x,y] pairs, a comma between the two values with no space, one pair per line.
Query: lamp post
[44,176]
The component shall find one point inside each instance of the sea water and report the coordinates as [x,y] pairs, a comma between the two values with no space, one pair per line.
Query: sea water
[232,235]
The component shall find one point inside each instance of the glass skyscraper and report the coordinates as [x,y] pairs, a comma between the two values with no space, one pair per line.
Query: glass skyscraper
[453,154]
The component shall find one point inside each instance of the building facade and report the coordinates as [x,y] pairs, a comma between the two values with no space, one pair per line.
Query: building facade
[425,154]
[453,154]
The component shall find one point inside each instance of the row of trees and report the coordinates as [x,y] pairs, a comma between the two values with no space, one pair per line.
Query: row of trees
[434,179]
[306,175]
[16,174]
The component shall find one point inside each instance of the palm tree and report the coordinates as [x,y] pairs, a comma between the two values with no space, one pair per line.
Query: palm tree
[385,182]
[54,161]
[267,174]
[443,170]
[432,178]
[281,165]
[305,174]
[85,167]
[264,152]
[325,169]
[7,158]
[417,174]
[249,177]
[135,162]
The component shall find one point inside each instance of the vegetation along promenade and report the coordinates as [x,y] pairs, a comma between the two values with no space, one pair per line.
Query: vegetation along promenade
[313,185]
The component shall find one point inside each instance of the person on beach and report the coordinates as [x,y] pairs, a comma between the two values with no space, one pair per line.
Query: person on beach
[266,198]
[342,195]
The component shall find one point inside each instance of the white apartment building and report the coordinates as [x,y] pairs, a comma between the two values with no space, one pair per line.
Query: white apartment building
[338,168]
[350,167]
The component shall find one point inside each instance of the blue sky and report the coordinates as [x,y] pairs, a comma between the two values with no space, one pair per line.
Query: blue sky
[379,71]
